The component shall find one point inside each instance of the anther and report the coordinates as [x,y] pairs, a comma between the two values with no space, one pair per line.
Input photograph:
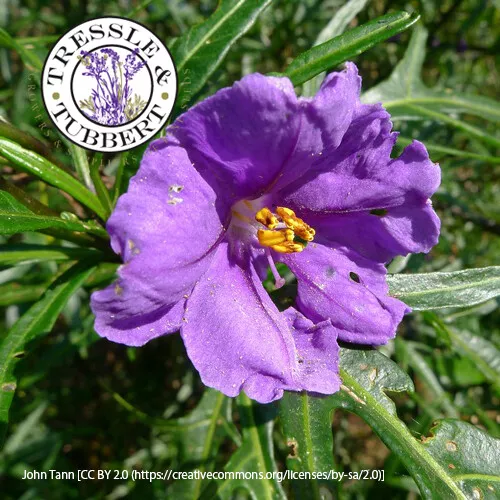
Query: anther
[266,217]
[299,227]
[291,239]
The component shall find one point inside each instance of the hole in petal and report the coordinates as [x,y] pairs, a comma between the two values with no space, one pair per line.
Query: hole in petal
[379,212]
[354,277]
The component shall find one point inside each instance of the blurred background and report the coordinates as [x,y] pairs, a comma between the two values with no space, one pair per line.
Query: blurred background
[85,403]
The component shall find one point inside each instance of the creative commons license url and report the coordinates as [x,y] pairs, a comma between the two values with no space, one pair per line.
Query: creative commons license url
[171,475]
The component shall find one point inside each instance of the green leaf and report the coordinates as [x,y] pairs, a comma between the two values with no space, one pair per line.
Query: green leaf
[471,456]
[256,454]
[366,376]
[199,51]
[406,97]
[440,397]
[100,188]
[303,418]
[470,130]
[12,293]
[21,201]
[29,142]
[437,290]
[17,218]
[117,186]
[37,165]
[338,50]
[12,254]
[444,150]
[81,163]
[31,60]
[335,27]
[198,437]
[483,353]
[39,319]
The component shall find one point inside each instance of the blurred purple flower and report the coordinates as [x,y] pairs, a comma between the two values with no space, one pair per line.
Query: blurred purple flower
[255,175]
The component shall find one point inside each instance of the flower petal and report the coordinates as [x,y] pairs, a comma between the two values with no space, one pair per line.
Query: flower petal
[349,290]
[165,228]
[359,177]
[325,119]
[318,352]
[122,320]
[240,137]
[338,185]
[238,340]
[397,231]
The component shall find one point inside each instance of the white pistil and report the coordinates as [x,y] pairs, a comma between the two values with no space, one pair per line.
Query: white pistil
[278,280]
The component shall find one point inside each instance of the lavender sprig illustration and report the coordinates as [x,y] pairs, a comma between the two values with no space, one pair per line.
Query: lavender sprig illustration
[111,101]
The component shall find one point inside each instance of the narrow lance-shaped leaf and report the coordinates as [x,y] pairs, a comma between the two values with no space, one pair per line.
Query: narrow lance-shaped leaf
[85,239]
[335,27]
[338,50]
[198,437]
[39,319]
[100,188]
[255,455]
[483,353]
[199,51]
[437,290]
[37,165]
[12,254]
[405,87]
[17,218]
[13,293]
[31,60]
[304,420]
[29,142]
[81,163]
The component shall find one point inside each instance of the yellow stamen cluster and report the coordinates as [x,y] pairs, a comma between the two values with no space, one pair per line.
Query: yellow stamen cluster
[283,240]
[267,218]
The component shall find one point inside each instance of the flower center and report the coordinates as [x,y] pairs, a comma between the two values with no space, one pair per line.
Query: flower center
[286,233]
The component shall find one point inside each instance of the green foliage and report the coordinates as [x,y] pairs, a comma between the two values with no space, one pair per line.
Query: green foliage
[406,97]
[367,375]
[439,290]
[472,457]
[336,26]
[39,319]
[198,437]
[199,51]
[72,401]
[16,218]
[306,427]
[34,164]
[344,47]
[255,455]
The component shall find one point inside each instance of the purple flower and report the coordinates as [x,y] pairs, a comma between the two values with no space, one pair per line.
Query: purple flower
[255,175]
